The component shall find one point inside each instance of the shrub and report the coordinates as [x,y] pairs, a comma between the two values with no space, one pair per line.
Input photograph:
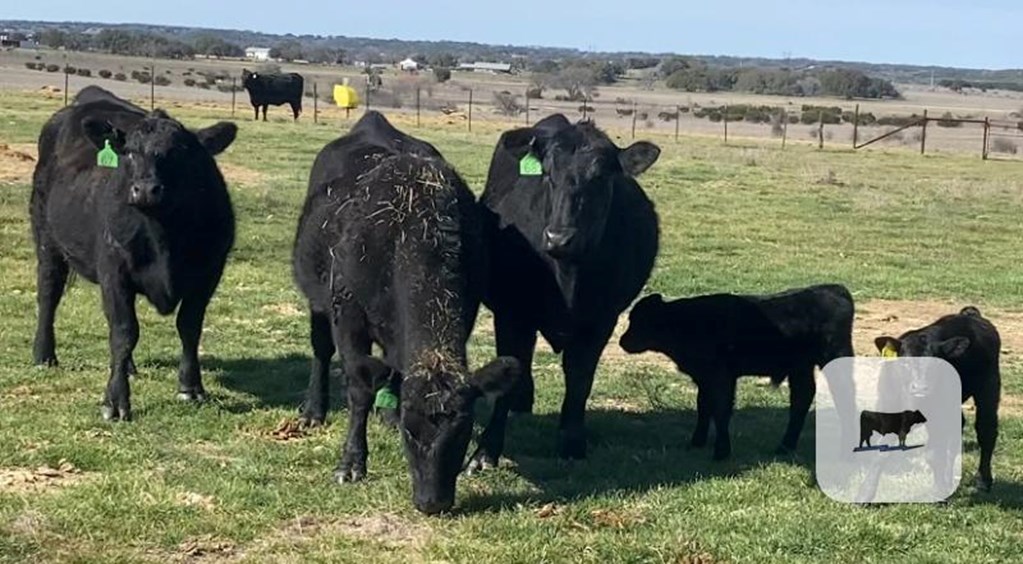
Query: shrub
[507,104]
[897,121]
[948,120]
[30,65]
[161,80]
[120,77]
[105,73]
[70,69]
[442,74]
[224,87]
[143,77]
[189,82]
[52,68]
[1003,145]
[203,85]
[84,72]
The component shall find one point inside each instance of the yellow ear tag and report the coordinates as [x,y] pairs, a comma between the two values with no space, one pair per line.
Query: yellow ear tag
[889,351]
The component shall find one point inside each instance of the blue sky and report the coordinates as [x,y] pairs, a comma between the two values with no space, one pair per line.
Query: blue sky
[979,33]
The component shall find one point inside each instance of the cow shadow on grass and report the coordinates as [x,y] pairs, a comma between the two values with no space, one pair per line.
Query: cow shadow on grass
[637,452]
[278,382]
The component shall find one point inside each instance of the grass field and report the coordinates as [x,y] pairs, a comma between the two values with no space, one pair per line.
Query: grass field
[913,237]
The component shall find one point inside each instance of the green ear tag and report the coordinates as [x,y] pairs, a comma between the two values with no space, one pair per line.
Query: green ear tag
[106,157]
[385,399]
[530,166]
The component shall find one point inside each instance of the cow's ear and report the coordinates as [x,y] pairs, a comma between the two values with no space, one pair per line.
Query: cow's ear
[520,142]
[99,131]
[217,137]
[884,342]
[638,157]
[497,379]
[954,347]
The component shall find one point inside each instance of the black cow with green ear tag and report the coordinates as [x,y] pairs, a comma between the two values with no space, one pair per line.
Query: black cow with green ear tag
[134,202]
[573,239]
[971,344]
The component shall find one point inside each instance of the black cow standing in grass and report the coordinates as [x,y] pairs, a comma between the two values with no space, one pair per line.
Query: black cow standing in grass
[390,251]
[971,344]
[156,221]
[716,339]
[573,240]
[888,423]
[274,89]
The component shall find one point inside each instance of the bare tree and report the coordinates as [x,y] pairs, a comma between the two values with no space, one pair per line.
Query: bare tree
[580,83]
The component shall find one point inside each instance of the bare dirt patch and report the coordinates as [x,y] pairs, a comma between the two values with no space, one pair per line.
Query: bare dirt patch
[387,530]
[17,161]
[193,499]
[26,481]
[240,175]
[284,309]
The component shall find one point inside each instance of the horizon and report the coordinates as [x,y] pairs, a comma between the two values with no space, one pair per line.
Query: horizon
[970,38]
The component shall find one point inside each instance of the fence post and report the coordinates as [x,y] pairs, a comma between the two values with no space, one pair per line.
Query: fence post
[316,104]
[820,132]
[368,78]
[635,110]
[234,93]
[678,115]
[856,127]
[470,110]
[724,117]
[152,86]
[417,105]
[923,134]
[784,128]
[987,134]
[65,82]
[527,107]
[584,108]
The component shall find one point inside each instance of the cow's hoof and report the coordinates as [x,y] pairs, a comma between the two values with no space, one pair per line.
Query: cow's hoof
[309,420]
[48,361]
[349,474]
[389,417]
[132,369]
[480,463]
[122,413]
[192,396]
[721,454]
[983,484]
[572,448]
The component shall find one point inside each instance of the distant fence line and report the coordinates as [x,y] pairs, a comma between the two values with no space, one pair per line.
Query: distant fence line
[996,135]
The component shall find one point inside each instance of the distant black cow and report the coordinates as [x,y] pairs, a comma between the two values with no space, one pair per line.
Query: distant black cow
[888,423]
[159,224]
[971,344]
[574,240]
[274,89]
[718,338]
[390,251]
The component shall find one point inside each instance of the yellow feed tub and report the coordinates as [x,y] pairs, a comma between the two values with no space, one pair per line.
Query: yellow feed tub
[346,96]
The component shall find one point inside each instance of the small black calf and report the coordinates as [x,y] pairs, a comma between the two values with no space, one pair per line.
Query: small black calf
[888,423]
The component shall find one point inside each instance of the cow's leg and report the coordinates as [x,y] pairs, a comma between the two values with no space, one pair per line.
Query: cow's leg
[264,111]
[295,110]
[191,315]
[352,337]
[119,307]
[579,363]
[517,340]
[703,411]
[256,108]
[317,398]
[51,278]
[724,401]
[986,425]
[802,388]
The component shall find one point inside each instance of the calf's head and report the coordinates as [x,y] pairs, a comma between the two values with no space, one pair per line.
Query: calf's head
[436,424]
[924,343]
[643,327]
[159,158]
[580,167]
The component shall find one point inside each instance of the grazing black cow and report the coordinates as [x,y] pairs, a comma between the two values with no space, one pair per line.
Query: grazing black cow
[971,344]
[390,251]
[718,338]
[274,89]
[573,240]
[888,423]
[156,221]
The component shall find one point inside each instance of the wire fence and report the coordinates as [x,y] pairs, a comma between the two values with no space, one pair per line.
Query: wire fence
[500,105]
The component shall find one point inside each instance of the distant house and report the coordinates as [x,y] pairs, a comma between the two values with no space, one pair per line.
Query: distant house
[10,40]
[257,53]
[493,68]
[408,65]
